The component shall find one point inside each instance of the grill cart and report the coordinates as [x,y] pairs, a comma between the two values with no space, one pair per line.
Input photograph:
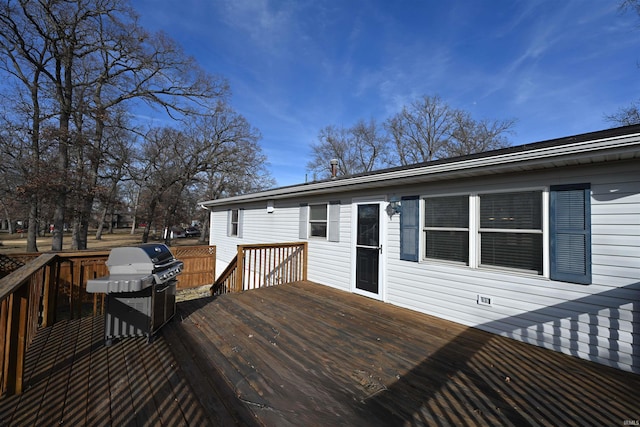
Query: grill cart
[140,290]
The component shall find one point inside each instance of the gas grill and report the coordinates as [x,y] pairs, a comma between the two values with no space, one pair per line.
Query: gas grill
[140,290]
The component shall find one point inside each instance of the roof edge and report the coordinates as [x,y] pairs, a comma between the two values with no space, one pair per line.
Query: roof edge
[582,144]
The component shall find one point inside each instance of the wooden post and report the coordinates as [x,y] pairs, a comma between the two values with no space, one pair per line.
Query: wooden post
[305,255]
[17,340]
[240,270]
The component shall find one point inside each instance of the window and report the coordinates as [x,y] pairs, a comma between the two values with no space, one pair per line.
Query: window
[505,230]
[234,222]
[446,231]
[511,230]
[318,220]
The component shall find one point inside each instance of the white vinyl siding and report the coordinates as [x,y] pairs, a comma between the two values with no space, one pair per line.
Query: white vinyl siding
[597,322]
[330,263]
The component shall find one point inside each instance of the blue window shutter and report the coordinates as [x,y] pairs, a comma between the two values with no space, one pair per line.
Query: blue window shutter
[229,222]
[334,221]
[410,228]
[570,233]
[303,220]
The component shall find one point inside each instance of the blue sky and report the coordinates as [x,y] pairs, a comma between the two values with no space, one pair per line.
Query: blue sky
[297,66]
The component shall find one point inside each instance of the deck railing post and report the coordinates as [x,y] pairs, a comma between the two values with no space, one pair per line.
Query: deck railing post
[48,296]
[305,255]
[240,270]
[17,340]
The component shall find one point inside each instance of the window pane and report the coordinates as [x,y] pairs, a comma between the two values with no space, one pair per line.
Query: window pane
[513,250]
[368,224]
[234,215]
[318,212]
[319,229]
[234,229]
[511,210]
[448,245]
[447,212]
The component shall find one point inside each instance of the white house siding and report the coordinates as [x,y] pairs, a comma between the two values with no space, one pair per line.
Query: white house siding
[598,322]
[329,262]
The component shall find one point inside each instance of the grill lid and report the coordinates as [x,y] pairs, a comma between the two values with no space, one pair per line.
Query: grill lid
[133,268]
[148,256]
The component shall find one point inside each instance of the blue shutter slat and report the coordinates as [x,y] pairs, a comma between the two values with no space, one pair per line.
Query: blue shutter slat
[410,228]
[570,233]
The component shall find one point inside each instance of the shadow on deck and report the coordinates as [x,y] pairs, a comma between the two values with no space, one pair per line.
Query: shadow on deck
[305,354]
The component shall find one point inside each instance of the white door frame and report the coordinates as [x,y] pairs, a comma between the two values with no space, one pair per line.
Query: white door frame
[382,229]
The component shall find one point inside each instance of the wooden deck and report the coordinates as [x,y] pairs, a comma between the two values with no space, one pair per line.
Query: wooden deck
[305,354]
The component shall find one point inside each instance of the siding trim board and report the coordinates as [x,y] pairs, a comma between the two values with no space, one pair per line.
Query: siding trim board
[594,315]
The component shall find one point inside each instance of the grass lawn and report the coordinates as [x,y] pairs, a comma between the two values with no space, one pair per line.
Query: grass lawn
[16,243]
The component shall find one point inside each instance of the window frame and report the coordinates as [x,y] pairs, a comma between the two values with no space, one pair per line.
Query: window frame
[311,221]
[475,248]
[234,226]
[543,231]
[425,229]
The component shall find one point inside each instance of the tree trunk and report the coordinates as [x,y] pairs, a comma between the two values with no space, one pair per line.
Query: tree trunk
[101,219]
[32,234]
[204,232]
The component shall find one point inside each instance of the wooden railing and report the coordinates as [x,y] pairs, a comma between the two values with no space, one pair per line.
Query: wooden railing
[256,266]
[21,295]
[38,289]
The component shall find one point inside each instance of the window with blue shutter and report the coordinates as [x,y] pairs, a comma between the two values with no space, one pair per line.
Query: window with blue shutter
[410,228]
[570,233]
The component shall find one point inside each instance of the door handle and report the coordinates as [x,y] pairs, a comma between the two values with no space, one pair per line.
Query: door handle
[380,248]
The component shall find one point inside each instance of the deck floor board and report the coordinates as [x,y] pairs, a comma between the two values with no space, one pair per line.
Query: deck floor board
[306,354]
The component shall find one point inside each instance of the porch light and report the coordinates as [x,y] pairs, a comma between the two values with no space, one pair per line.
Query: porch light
[395,206]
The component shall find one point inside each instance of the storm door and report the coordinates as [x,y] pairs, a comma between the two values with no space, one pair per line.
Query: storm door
[368,250]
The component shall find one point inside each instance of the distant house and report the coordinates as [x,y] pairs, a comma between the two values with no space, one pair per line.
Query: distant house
[539,242]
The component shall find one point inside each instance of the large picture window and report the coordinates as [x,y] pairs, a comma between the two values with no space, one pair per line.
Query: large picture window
[318,220]
[511,230]
[446,231]
[505,230]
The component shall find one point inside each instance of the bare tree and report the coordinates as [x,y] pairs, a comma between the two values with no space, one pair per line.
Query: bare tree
[358,149]
[470,136]
[87,59]
[430,129]
[625,116]
[422,131]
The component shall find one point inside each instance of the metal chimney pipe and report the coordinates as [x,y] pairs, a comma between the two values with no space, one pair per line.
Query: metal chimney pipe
[334,168]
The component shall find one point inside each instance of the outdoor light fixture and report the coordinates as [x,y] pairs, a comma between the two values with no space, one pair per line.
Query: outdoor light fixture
[395,206]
